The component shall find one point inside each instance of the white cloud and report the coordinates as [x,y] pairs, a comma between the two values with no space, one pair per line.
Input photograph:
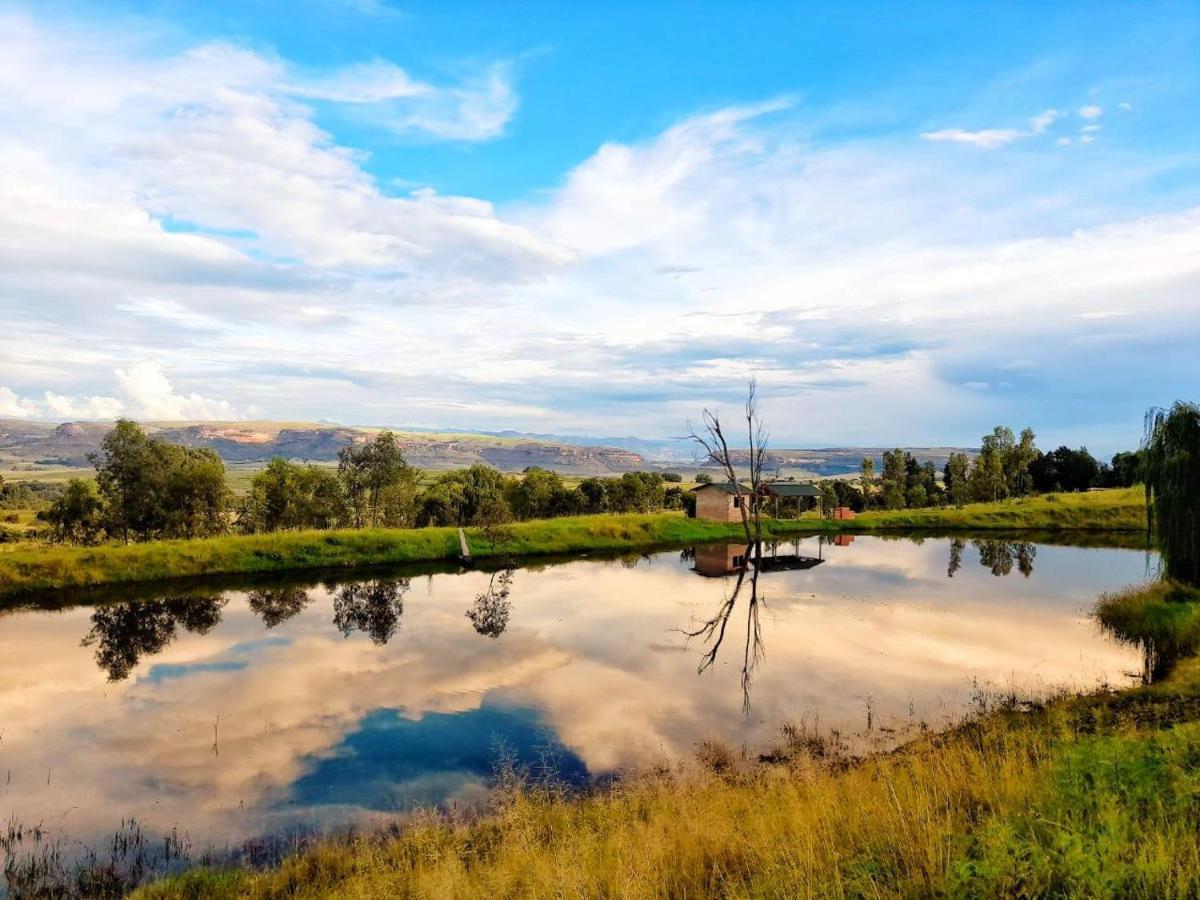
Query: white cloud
[1124,106]
[215,138]
[1090,111]
[82,407]
[1044,120]
[987,139]
[991,138]
[477,109]
[15,407]
[145,391]
[186,208]
[149,395]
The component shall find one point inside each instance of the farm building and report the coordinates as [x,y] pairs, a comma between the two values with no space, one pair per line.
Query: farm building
[721,502]
[787,498]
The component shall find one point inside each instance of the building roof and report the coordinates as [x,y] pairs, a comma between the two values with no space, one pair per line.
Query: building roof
[790,489]
[728,487]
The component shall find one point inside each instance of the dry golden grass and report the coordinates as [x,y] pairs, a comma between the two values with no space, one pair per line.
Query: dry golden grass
[1040,803]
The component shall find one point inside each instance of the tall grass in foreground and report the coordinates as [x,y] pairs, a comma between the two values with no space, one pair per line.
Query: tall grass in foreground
[1013,805]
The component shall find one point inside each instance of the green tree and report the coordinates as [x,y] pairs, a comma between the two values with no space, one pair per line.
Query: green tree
[916,496]
[379,485]
[152,488]
[934,493]
[989,479]
[538,494]
[1127,468]
[829,498]
[1172,478]
[867,479]
[956,478]
[465,497]
[636,492]
[894,479]
[848,495]
[703,478]
[287,495]
[1016,467]
[123,467]
[77,516]
[196,500]
[594,492]
[1064,469]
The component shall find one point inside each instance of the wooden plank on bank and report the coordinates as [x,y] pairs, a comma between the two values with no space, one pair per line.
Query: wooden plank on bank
[464,550]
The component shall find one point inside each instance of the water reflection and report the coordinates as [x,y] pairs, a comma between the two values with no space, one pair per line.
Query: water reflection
[320,731]
[276,605]
[489,614]
[373,607]
[996,555]
[124,633]
[999,556]
[746,561]
[956,551]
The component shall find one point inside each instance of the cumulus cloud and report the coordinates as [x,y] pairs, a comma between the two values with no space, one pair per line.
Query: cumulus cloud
[1091,111]
[186,206]
[145,393]
[214,142]
[15,407]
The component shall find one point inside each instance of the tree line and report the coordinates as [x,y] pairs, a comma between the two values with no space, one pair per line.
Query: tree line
[147,489]
[1006,466]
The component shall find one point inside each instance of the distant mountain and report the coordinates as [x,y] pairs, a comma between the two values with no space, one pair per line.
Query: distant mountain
[39,443]
[681,452]
[665,450]
[69,444]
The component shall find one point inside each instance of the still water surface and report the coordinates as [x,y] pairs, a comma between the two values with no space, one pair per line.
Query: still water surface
[237,713]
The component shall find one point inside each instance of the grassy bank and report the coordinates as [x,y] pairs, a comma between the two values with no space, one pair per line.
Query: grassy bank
[25,569]
[1119,509]
[1085,796]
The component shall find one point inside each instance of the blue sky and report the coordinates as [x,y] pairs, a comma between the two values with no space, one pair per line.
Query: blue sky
[909,221]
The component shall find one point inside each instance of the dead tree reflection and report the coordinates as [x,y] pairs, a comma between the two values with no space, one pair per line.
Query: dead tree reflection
[276,605]
[125,632]
[712,633]
[491,609]
[372,607]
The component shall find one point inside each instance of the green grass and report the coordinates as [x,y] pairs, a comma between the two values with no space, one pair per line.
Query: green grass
[30,568]
[1118,509]
[1094,796]
[26,567]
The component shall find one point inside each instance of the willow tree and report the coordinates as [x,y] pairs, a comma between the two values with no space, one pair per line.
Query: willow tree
[1172,477]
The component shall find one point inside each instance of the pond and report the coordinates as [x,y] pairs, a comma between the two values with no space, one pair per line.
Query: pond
[292,706]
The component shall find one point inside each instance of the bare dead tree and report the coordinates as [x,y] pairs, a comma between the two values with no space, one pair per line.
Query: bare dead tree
[715,449]
[712,631]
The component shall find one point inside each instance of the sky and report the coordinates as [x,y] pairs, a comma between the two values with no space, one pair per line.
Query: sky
[908,221]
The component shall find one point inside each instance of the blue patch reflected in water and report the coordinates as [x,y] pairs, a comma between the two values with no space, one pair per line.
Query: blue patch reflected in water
[392,763]
[166,671]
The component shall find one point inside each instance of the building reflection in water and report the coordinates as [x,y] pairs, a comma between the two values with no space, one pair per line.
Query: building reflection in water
[723,560]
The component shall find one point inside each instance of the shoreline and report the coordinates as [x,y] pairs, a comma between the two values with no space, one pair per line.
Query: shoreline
[25,572]
[1086,794]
